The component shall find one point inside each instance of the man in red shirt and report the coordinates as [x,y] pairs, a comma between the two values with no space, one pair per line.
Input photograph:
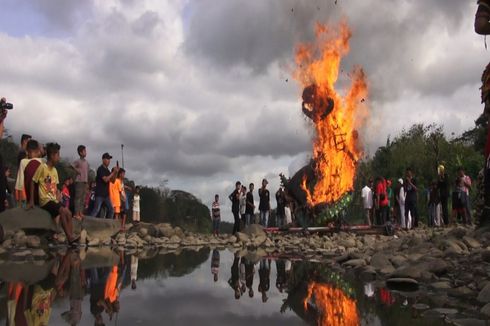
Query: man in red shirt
[382,201]
[34,154]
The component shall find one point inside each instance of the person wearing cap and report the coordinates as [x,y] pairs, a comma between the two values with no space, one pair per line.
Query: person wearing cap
[443,186]
[264,203]
[102,180]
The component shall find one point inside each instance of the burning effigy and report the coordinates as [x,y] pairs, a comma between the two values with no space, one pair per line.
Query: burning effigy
[323,187]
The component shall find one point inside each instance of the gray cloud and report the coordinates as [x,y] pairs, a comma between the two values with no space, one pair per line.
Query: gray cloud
[197,91]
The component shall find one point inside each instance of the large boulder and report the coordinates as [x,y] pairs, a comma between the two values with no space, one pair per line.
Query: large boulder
[21,219]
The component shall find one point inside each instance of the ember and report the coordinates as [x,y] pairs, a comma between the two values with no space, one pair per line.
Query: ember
[336,147]
[333,306]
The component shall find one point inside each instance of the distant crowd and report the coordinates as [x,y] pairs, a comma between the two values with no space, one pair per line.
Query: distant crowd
[37,184]
[243,207]
[384,202]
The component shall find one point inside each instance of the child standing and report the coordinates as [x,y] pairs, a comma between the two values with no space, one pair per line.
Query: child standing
[136,205]
[115,189]
[46,177]
[81,166]
[65,192]
[216,214]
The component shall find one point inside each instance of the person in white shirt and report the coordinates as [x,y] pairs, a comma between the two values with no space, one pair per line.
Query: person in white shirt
[367,201]
[136,205]
[400,198]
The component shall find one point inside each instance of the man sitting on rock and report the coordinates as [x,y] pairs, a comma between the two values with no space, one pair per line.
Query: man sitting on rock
[47,179]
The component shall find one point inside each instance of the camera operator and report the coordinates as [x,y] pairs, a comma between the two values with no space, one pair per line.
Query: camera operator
[4,106]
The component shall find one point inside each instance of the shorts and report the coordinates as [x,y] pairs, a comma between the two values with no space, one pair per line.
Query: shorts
[117,209]
[53,208]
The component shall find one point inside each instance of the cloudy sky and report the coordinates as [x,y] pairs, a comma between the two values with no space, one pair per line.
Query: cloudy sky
[197,92]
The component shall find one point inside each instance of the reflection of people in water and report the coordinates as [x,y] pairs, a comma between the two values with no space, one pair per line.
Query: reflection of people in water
[264,276]
[31,305]
[215,264]
[234,280]
[281,275]
[386,297]
[369,290]
[77,283]
[134,271]
[243,287]
[249,276]
[98,278]
[113,287]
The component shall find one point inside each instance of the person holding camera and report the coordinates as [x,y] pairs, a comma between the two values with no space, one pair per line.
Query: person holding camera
[4,107]
[102,180]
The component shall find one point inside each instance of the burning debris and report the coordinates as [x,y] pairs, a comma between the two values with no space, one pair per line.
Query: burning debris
[329,178]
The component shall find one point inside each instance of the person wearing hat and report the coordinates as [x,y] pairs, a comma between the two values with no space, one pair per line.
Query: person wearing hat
[443,186]
[102,180]
[264,203]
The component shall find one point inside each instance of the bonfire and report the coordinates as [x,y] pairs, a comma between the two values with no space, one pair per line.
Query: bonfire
[335,117]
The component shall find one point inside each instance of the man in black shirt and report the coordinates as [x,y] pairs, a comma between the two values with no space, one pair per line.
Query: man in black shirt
[411,197]
[250,209]
[104,176]
[264,204]
[281,205]
[3,177]
[443,186]
[235,206]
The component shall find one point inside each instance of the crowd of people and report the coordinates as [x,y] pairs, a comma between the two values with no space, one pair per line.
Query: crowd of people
[38,184]
[243,207]
[384,202]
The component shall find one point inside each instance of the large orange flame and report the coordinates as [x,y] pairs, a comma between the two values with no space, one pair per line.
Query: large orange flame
[334,307]
[336,147]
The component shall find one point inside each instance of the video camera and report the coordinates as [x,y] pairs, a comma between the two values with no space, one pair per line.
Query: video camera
[5,106]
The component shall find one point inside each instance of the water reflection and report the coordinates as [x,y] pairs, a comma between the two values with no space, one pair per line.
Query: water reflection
[147,288]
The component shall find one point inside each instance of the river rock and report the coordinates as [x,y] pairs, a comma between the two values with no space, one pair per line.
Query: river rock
[407,272]
[470,242]
[347,243]
[436,266]
[21,255]
[355,263]
[485,255]
[166,230]
[242,237]
[398,261]
[461,292]
[468,322]
[143,232]
[94,242]
[485,310]
[8,243]
[83,237]
[39,254]
[254,230]
[33,241]
[178,232]
[420,306]
[402,283]
[484,295]
[458,232]
[443,285]
[175,239]
[20,239]
[445,311]
[260,239]
[379,261]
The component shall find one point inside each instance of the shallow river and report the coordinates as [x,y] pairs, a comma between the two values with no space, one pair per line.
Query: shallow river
[205,287]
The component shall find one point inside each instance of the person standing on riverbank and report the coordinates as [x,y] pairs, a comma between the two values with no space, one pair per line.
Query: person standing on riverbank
[34,152]
[410,186]
[443,186]
[104,176]
[281,206]
[264,204]
[243,204]
[235,206]
[115,194]
[466,187]
[250,210]
[216,214]
[136,205]
[82,167]
[367,201]
[381,201]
